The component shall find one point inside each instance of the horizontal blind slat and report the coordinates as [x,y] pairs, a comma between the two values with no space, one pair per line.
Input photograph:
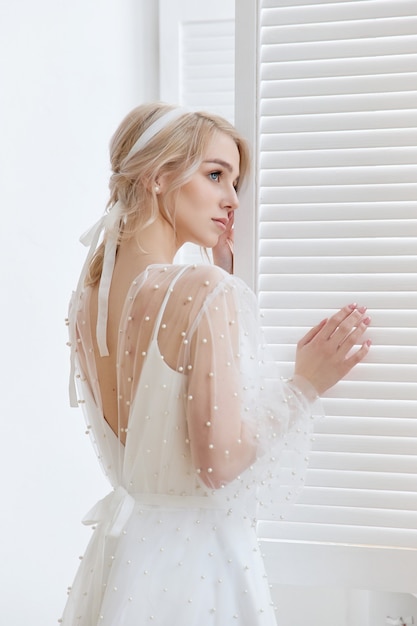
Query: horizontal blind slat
[302,319]
[335,247]
[284,355]
[350,193]
[340,176]
[379,408]
[337,265]
[366,28]
[326,300]
[371,50]
[369,531]
[398,500]
[366,88]
[202,30]
[391,426]
[360,120]
[399,463]
[338,139]
[328,282]
[372,444]
[311,68]
[388,156]
[377,212]
[322,12]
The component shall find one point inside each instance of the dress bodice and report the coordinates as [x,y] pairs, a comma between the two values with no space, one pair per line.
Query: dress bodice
[195,391]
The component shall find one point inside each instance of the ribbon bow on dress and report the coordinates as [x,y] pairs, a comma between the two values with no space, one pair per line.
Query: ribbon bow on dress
[113,512]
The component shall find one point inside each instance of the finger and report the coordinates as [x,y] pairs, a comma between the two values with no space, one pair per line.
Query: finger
[351,329]
[358,356]
[312,333]
[335,320]
[230,224]
[354,336]
[341,324]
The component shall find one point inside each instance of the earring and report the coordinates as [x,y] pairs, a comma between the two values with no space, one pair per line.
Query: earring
[157,189]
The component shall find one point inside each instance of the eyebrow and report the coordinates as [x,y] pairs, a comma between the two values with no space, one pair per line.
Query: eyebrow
[220,162]
[225,164]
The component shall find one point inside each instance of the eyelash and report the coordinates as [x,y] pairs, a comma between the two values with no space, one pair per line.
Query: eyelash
[218,174]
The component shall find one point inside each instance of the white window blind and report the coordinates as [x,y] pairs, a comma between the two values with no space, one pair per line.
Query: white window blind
[197,49]
[207,60]
[337,223]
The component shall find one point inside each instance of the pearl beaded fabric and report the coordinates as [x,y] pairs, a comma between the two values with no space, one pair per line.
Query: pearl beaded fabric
[204,423]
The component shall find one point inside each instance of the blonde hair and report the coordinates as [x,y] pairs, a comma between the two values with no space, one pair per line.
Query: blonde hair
[177,149]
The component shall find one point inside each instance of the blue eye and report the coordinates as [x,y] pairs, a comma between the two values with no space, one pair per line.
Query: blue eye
[215,176]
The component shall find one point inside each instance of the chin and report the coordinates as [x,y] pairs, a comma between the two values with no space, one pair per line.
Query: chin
[206,243]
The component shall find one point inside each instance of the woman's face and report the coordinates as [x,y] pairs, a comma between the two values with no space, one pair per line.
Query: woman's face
[206,202]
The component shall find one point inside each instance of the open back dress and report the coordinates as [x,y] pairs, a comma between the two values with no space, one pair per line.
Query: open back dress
[169,547]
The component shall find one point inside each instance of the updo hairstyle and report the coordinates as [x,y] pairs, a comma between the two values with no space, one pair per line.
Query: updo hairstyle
[176,150]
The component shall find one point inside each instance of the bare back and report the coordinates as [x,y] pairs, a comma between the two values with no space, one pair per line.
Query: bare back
[154,284]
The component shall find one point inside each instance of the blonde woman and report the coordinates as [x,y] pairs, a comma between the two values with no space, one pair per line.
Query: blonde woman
[187,415]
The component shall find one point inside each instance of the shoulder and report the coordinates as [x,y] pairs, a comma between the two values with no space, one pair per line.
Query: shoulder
[208,286]
[212,273]
[213,276]
[207,281]
[199,278]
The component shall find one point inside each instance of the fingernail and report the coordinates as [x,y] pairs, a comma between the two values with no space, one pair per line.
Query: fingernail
[362,309]
[369,342]
[366,320]
[353,306]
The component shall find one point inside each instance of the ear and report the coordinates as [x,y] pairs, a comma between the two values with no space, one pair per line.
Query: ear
[159,184]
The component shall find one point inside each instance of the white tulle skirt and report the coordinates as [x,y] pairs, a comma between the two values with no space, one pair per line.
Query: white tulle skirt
[192,567]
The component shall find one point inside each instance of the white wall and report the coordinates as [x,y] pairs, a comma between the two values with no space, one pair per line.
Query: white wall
[69,72]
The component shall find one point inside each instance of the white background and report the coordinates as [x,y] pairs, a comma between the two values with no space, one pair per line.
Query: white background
[69,72]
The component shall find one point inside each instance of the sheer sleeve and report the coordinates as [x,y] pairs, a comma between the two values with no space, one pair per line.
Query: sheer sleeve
[243,419]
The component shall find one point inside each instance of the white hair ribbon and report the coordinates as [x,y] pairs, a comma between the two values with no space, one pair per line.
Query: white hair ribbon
[111,220]
[89,238]
[108,223]
[154,129]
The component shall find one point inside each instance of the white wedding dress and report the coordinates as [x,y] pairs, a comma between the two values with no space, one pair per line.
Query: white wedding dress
[167,549]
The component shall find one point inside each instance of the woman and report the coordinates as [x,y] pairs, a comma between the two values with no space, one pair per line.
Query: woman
[188,417]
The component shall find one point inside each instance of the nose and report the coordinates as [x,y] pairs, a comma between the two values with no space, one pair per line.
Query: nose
[231,201]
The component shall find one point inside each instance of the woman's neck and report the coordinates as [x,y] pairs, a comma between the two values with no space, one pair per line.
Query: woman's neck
[154,244]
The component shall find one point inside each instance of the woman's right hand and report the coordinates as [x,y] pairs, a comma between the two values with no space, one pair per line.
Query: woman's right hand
[326,353]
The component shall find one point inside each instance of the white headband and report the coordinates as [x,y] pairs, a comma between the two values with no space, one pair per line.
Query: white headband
[155,128]
[107,222]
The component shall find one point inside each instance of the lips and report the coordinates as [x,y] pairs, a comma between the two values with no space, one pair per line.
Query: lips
[223,221]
